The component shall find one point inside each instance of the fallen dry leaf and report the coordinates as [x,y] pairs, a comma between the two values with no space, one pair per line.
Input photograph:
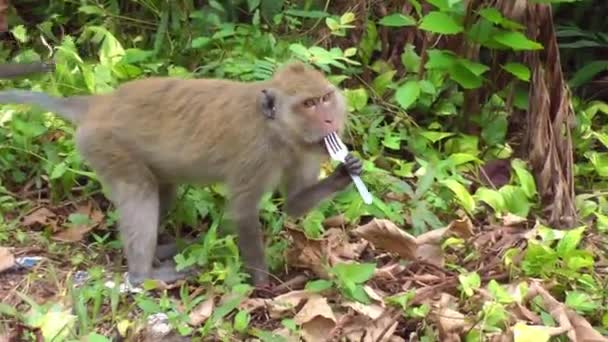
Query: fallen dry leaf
[315,254]
[278,306]
[385,235]
[7,259]
[40,215]
[372,311]
[77,232]
[201,312]
[316,318]
[372,330]
[252,304]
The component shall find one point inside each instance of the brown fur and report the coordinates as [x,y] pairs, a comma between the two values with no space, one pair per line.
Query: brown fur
[150,135]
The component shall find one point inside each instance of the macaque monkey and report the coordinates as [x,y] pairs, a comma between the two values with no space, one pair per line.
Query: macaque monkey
[13,70]
[150,135]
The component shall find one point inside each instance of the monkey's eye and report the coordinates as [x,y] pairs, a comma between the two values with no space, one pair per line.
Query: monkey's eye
[326,97]
[309,103]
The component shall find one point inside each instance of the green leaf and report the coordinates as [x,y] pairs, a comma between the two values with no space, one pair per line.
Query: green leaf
[407,94]
[525,177]
[516,200]
[20,33]
[580,301]
[440,23]
[499,293]
[518,70]
[307,14]
[492,197]
[200,42]
[570,241]
[58,170]
[355,272]
[241,321]
[602,222]
[469,282]
[439,59]
[356,98]
[347,18]
[319,285]
[91,9]
[463,76]
[397,20]
[462,195]
[516,41]
[252,5]
[383,81]
[587,72]
[410,59]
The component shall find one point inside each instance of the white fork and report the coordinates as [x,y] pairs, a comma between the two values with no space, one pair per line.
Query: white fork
[338,151]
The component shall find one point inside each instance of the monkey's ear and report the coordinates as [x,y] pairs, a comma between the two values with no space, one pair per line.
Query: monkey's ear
[268,104]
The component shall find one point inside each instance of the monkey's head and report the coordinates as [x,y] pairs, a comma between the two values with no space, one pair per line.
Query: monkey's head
[302,103]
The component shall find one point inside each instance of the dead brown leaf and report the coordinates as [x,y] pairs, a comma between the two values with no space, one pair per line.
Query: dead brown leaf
[7,259]
[201,312]
[41,216]
[280,305]
[76,233]
[316,318]
[385,235]
[373,330]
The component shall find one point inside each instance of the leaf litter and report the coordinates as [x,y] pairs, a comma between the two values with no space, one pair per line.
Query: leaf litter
[412,286]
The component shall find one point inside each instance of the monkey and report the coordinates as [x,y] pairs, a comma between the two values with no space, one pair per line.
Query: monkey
[150,135]
[13,70]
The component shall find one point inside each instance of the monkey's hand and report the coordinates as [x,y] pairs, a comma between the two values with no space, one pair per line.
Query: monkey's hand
[351,166]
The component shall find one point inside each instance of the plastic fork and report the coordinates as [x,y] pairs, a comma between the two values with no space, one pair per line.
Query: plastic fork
[338,151]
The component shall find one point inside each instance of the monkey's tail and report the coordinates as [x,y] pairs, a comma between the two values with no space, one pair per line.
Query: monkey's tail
[70,108]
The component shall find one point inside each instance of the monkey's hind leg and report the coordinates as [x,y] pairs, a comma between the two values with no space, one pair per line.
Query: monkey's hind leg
[134,191]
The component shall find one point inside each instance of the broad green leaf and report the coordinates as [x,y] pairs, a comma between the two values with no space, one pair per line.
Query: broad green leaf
[518,70]
[599,160]
[253,4]
[539,259]
[307,14]
[58,170]
[601,137]
[410,59]
[463,76]
[347,18]
[491,197]
[525,177]
[527,333]
[602,222]
[356,98]
[469,282]
[516,41]
[476,68]
[20,33]
[355,272]
[440,23]
[332,23]
[91,9]
[434,137]
[494,16]
[570,241]
[407,94]
[462,194]
[241,321]
[516,200]
[200,42]
[439,59]
[319,285]
[350,52]
[580,301]
[458,158]
[499,293]
[383,81]
[397,20]
[587,72]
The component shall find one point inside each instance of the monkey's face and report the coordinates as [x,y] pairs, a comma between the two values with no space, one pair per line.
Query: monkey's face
[316,116]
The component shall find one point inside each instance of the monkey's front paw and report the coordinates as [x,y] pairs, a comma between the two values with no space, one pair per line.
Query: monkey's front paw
[353,165]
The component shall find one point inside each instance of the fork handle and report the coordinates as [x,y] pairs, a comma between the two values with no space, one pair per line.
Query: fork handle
[367,197]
